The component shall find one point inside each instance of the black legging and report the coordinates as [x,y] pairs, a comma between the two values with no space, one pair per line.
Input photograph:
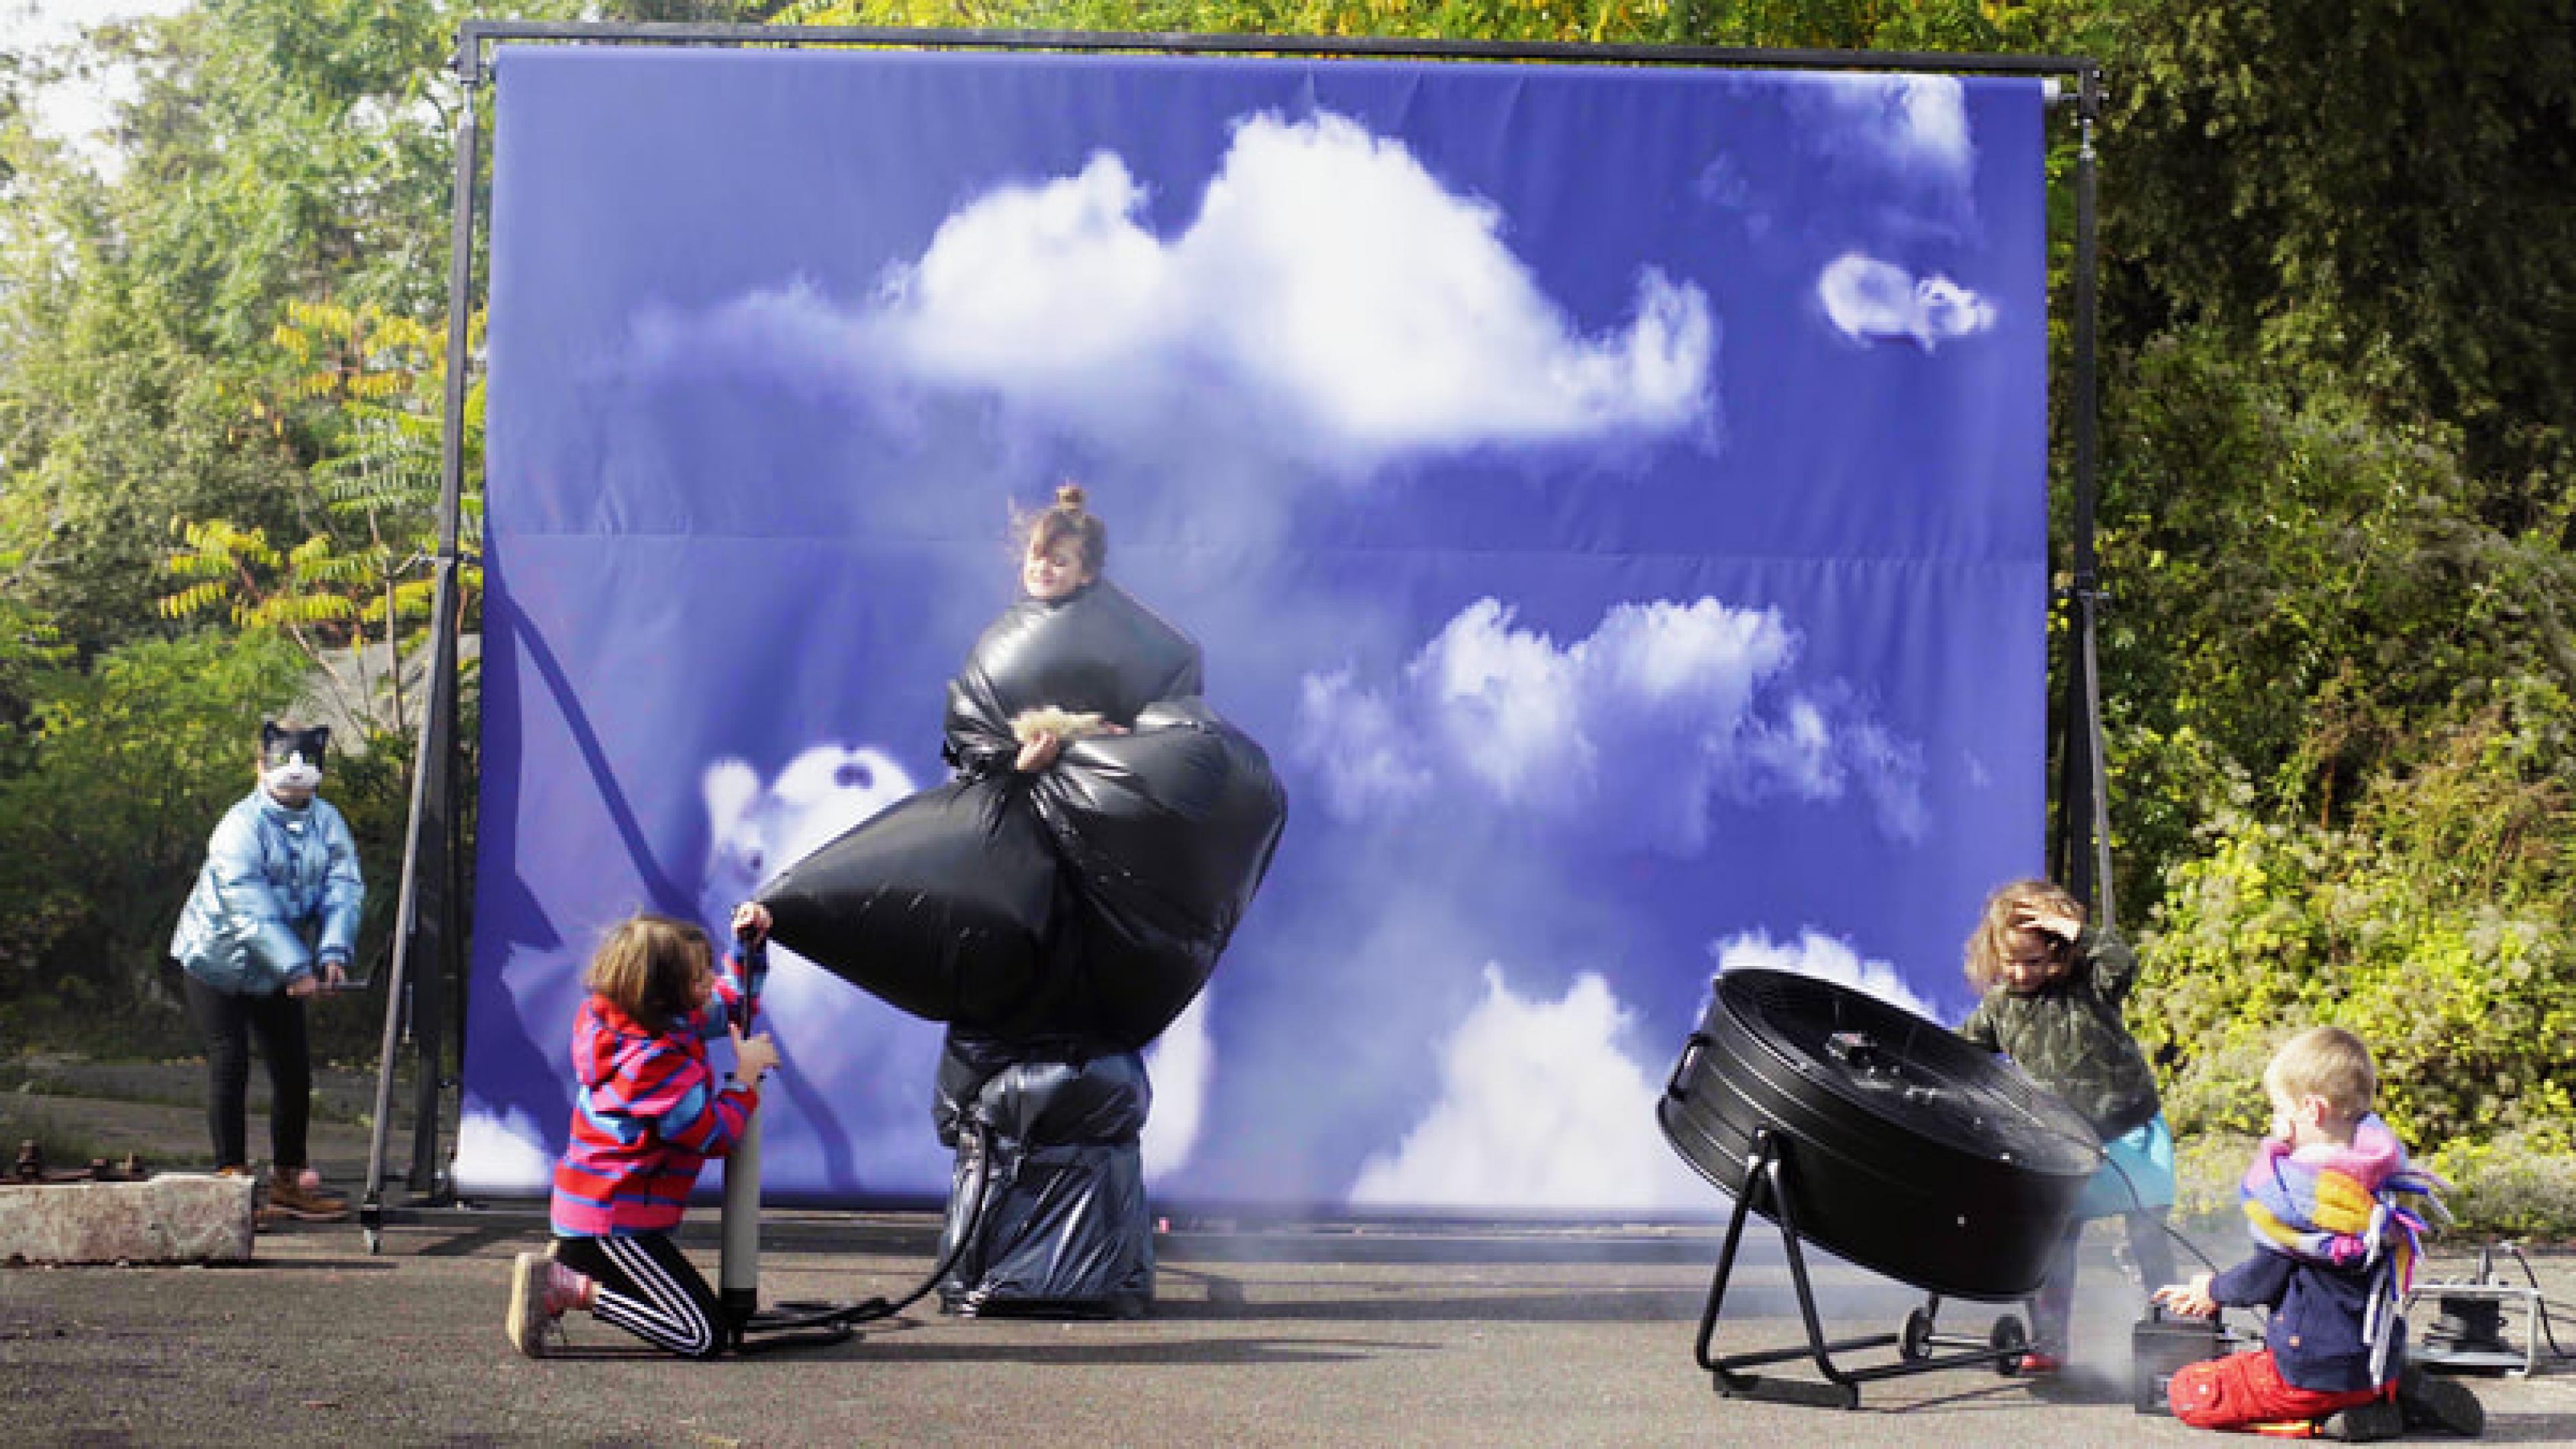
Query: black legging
[648,1287]
[228,1022]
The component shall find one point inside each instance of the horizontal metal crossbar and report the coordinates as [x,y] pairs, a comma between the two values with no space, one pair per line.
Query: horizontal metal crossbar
[474,35]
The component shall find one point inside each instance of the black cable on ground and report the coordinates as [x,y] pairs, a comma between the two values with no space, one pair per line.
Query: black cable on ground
[845,1315]
[2541,1311]
[2138,1204]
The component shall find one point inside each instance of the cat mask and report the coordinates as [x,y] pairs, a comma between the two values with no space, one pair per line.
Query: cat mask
[291,760]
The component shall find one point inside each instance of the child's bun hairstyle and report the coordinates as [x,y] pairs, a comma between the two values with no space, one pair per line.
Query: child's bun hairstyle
[648,967]
[1991,941]
[2328,1062]
[1067,518]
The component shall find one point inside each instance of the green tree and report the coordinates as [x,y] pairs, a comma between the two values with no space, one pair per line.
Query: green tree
[1853,24]
[274,151]
[2371,188]
[356,594]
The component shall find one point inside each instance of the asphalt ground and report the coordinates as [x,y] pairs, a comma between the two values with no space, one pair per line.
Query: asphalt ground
[1297,1334]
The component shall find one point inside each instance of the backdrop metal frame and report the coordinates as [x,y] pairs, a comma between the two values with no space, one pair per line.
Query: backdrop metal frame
[426,988]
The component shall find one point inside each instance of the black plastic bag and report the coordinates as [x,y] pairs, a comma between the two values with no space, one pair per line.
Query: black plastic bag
[1095,652]
[1056,1091]
[1064,1226]
[1165,833]
[951,906]
[941,904]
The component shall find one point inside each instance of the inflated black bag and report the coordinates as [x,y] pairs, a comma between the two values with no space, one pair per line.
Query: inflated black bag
[1166,832]
[952,906]
[941,904]
[1064,1226]
[1095,652]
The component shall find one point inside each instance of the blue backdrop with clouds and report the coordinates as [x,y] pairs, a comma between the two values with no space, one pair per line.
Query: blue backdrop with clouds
[1616,498]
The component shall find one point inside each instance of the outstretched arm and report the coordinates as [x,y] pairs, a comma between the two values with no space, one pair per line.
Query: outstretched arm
[746,966]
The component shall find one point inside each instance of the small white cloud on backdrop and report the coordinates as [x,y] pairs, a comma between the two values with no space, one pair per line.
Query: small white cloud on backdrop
[756,829]
[1869,300]
[1634,729]
[1540,1107]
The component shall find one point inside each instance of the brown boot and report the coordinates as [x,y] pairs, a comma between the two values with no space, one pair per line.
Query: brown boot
[296,1192]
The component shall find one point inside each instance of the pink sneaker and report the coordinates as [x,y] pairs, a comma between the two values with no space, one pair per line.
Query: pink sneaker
[542,1291]
[2035,1364]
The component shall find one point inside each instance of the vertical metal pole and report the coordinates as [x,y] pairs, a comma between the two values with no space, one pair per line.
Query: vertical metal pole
[431,934]
[2081,856]
[426,857]
[2088,584]
[738,1277]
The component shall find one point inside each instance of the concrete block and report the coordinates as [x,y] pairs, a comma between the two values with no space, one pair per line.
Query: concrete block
[174,1218]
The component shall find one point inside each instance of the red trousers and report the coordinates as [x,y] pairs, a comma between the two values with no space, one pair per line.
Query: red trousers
[2245,1389]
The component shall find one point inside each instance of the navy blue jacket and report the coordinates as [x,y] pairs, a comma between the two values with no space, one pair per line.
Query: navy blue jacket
[2317,1312]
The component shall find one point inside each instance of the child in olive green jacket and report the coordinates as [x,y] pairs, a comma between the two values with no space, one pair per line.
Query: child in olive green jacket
[2053,990]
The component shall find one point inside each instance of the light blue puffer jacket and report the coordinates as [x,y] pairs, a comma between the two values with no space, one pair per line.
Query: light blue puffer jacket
[272,875]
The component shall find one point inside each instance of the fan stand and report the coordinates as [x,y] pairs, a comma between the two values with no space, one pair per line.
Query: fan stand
[1767,1174]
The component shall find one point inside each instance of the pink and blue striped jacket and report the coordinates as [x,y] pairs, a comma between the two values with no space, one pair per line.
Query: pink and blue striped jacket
[650,1111]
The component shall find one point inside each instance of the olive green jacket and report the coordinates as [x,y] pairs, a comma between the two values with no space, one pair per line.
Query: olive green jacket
[2068,1035]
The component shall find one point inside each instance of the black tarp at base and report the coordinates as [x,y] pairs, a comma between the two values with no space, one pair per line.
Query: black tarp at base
[1064,1226]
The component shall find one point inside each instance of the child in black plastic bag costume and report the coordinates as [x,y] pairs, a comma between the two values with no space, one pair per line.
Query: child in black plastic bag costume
[1059,902]
[1075,1235]
[1067,546]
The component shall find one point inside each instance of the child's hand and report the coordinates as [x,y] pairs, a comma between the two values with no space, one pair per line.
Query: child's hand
[753,1056]
[2190,1299]
[2034,918]
[751,923]
[1039,752]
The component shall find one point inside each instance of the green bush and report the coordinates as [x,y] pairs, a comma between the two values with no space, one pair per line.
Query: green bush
[2520,1185]
[2431,926]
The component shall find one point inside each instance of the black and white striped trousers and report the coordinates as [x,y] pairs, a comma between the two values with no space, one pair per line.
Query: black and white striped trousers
[647,1287]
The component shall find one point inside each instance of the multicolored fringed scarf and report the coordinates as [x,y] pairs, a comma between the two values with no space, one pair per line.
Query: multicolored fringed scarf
[2361,1206]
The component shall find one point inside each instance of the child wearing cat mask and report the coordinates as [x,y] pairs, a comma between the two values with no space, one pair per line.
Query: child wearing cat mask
[273,919]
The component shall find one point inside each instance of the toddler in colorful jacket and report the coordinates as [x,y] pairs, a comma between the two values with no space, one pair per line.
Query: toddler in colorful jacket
[2336,1213]
[649,1114]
